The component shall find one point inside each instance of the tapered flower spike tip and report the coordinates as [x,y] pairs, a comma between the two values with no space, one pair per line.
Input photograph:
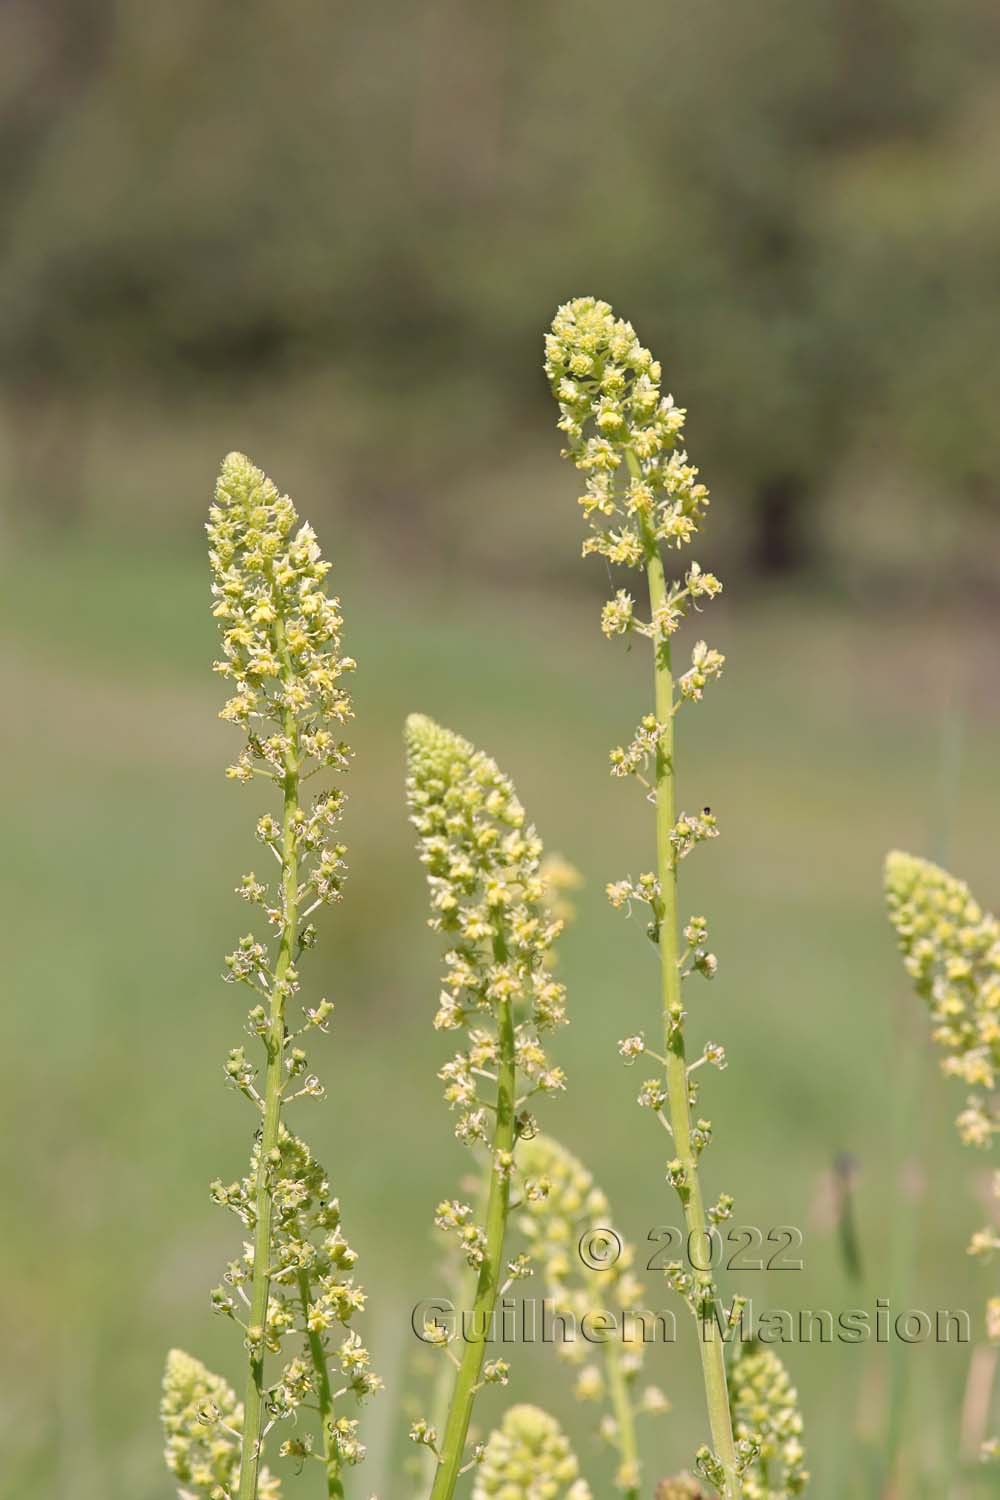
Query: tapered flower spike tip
[201,1421]
[529,1455]
[766,1413]
[238,471]
[902,870]
[426,737]
[951,951]
[422,731]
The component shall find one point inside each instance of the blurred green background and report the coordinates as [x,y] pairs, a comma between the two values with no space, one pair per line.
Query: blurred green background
[332,236]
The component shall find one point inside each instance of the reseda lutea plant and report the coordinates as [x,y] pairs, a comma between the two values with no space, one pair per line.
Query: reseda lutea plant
[290,1292]
[489,898]
[641,496]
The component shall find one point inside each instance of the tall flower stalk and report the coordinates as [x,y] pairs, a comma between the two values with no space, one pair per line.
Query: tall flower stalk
[488,896]
[642,496]
[291,1288]
[951,952]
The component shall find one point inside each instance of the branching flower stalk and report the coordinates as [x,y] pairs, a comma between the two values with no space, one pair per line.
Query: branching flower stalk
[283,659]
[488,895]
[641,496]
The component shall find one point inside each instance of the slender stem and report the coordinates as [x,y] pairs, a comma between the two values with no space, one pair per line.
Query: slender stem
[317,1353]
[621,1404]
[439,1412]
[464,1288]
[274,1042]
[490,1272]
[711,1344]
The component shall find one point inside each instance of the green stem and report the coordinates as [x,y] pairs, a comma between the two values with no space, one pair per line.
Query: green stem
[317,1353]
[274,1042]
[711,1343]
[621,1405]
[463,1287]
[488,1282]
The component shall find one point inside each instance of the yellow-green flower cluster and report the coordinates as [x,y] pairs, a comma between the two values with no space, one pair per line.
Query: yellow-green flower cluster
[283,657]
[951,950]
[561,1204]
[280,631]
[587,1269]
[489,898]
[529,1458]
[610,405]
[202,1423]
[767,1425]
[621,433]
[313,1296]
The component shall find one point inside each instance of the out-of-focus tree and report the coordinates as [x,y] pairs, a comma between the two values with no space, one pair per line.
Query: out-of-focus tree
[802,199]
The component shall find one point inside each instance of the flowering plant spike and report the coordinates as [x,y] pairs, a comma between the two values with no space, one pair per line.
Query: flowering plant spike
[291,1291]
[529,1458]
[643,496]
[490,899]
[562,1209]
[768,1424]
[951,951]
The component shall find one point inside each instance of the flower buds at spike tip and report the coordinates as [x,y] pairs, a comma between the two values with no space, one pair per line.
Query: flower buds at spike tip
[202,1421]
[621,432]
[490,894]
[529,1457]
[768,1425]
[586,1266]
[280,632]
[951,951]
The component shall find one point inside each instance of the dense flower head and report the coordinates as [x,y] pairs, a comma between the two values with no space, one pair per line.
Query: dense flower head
[951,950]
[280,631]
[489,897]
[529,1458]
[202,1422]
[621,432]
[283,655]
[768,1424]
[562,1205]
[587,1269]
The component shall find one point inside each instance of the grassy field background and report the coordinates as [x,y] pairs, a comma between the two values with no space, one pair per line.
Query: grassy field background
[835,734]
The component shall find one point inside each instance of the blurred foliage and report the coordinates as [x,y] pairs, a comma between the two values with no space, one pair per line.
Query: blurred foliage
[373,211]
